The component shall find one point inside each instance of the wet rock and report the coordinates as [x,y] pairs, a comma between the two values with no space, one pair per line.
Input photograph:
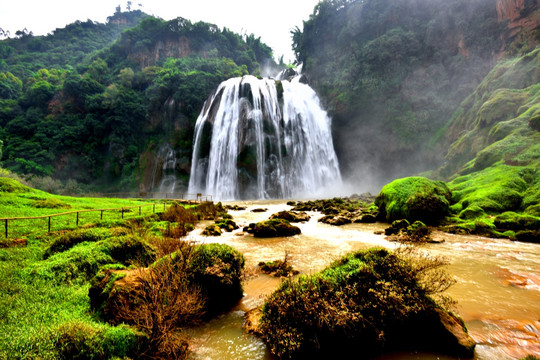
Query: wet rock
[291,216]
[366,218]
[227,224]
[335,220]
[396,226]
[212,230]
[252,321]
[414,198]
[235,207]
[259,210]
[275,228]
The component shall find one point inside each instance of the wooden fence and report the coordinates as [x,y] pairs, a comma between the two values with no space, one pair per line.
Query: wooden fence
[75,217]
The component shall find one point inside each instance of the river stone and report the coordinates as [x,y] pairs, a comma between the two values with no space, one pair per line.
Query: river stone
[414,198]
[252,321]
[212,230]
[291,216]
[275,228]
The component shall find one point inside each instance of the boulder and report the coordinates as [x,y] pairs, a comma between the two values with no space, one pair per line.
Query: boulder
[414,198]
[335,220]
[212,230]
[252,321]
[291,216]
[275,228]
[259,210]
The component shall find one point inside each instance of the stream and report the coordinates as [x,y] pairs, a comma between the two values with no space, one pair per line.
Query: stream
[497,289]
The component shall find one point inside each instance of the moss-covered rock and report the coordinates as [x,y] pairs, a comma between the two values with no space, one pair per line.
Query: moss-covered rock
[275,228]
[217,269]
[212,230]
[414,198]
[291,216]
[369,300]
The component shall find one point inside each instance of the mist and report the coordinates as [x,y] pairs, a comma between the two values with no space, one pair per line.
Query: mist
[392,73]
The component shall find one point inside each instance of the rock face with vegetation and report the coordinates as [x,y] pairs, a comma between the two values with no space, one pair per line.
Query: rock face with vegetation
[367,302]
[393,72]
[414,198]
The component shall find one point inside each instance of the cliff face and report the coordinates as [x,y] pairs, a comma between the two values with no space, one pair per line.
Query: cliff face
[520,14]
[161,49]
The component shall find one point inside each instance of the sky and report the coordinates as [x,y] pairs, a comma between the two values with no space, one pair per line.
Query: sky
[271,20]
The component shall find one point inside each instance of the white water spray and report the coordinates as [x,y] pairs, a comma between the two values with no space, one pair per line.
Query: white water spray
[262,139]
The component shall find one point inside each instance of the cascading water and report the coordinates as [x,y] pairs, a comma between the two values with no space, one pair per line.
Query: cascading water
[261,139]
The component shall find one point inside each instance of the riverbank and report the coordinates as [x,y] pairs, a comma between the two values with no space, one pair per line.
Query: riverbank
[500,310]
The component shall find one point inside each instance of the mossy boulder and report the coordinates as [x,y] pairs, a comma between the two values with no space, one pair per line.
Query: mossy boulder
[414,198]
[335,220]
[212,230]
[275,228]
[217,269]
[513,221]
[291,216]
[370,300]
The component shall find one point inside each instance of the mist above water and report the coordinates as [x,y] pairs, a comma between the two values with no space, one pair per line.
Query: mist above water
[263,139]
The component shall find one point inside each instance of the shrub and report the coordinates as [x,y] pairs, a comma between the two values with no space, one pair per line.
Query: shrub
[368,300]
[414,198]
[160,302]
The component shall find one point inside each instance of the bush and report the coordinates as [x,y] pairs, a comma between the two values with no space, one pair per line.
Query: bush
[414,198]
[369,300]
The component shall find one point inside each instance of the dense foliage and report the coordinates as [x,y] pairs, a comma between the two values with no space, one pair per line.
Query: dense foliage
[84,102]
[392,73]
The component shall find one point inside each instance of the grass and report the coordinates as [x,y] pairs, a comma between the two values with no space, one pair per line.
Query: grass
[45,309]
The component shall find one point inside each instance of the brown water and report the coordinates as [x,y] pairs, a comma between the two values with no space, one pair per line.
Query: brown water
[497,289]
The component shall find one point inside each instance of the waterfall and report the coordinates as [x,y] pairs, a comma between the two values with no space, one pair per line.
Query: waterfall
[263,139]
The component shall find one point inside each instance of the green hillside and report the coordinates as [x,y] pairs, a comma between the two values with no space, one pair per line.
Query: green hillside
[91,111]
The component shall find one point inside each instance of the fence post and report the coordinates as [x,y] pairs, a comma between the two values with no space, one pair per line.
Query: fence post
[154,208]
[49,224]
[6,228]
[101,214]
[122,213]
[77,222]
[139,211]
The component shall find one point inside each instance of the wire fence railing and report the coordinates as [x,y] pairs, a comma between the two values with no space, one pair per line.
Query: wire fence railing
[34,225]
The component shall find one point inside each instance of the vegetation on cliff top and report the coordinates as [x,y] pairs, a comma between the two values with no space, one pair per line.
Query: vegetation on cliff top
[89,118]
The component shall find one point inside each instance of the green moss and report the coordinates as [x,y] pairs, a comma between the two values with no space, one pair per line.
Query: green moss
[414,198]
[217,269]
[513,221]
[495,189]
[82,262]
[472,212]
